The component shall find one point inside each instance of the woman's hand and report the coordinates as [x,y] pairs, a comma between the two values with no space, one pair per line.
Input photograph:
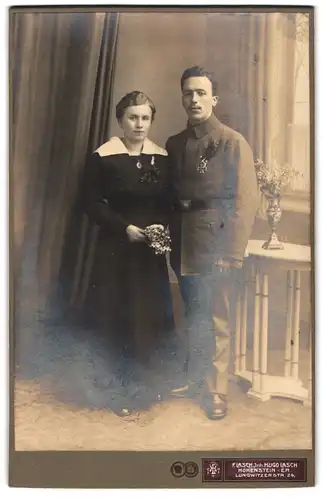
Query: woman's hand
[135,234]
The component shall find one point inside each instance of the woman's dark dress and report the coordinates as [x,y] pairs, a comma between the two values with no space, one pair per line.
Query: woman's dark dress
[129,292]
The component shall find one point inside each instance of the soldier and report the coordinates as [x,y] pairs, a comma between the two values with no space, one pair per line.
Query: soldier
[216,198]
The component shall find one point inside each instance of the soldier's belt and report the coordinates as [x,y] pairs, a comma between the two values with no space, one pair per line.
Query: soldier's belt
[197,204]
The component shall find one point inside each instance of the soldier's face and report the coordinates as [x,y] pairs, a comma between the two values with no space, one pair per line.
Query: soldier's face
[198,99]
[136,122]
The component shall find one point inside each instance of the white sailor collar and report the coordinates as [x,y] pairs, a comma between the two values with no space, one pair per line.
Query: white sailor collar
[115,146]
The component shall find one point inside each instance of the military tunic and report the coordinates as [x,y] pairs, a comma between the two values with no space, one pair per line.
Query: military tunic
[226,189]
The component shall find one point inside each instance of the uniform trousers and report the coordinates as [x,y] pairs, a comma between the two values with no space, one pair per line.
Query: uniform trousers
[207,310]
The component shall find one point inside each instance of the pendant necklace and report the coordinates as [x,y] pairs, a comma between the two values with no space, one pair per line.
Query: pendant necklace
[138,163]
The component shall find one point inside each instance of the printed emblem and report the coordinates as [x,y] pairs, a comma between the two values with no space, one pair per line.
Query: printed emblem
[212,470]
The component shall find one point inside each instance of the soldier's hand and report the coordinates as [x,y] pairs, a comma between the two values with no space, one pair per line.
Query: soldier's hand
[228,263]
[223,264]
[225,267]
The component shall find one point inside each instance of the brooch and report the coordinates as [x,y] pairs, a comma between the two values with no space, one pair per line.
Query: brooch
[151,175]
[202,166]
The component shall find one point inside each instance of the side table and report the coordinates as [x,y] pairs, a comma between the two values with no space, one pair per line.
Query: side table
[293,259]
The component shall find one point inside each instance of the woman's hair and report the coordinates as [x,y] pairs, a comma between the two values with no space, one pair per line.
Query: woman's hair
[135,98]
[198,71]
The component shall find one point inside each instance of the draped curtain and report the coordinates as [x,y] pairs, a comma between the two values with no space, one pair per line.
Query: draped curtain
[267,81]
[275,37]
[81,236]
[56,61]
[255,67]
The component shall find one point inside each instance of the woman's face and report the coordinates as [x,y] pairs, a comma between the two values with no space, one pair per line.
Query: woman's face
[136,122]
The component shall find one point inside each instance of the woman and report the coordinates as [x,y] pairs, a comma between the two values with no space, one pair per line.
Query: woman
[127,192]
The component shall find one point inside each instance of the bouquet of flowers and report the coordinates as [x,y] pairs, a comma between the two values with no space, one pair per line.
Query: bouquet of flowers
[159,238]
[274,177]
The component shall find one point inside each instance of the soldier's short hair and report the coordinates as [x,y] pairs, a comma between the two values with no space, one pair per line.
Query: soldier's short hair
[134,98]
[199,71]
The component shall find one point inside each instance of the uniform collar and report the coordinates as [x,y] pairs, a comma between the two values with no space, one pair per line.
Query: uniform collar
[209,125]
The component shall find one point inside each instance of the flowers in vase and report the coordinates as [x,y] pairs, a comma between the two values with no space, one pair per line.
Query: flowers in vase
[275,177]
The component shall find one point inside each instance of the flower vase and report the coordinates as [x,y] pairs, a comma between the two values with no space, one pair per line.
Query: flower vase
[274,215]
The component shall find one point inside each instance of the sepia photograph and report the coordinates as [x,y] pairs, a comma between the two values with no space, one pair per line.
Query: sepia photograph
[161,166]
